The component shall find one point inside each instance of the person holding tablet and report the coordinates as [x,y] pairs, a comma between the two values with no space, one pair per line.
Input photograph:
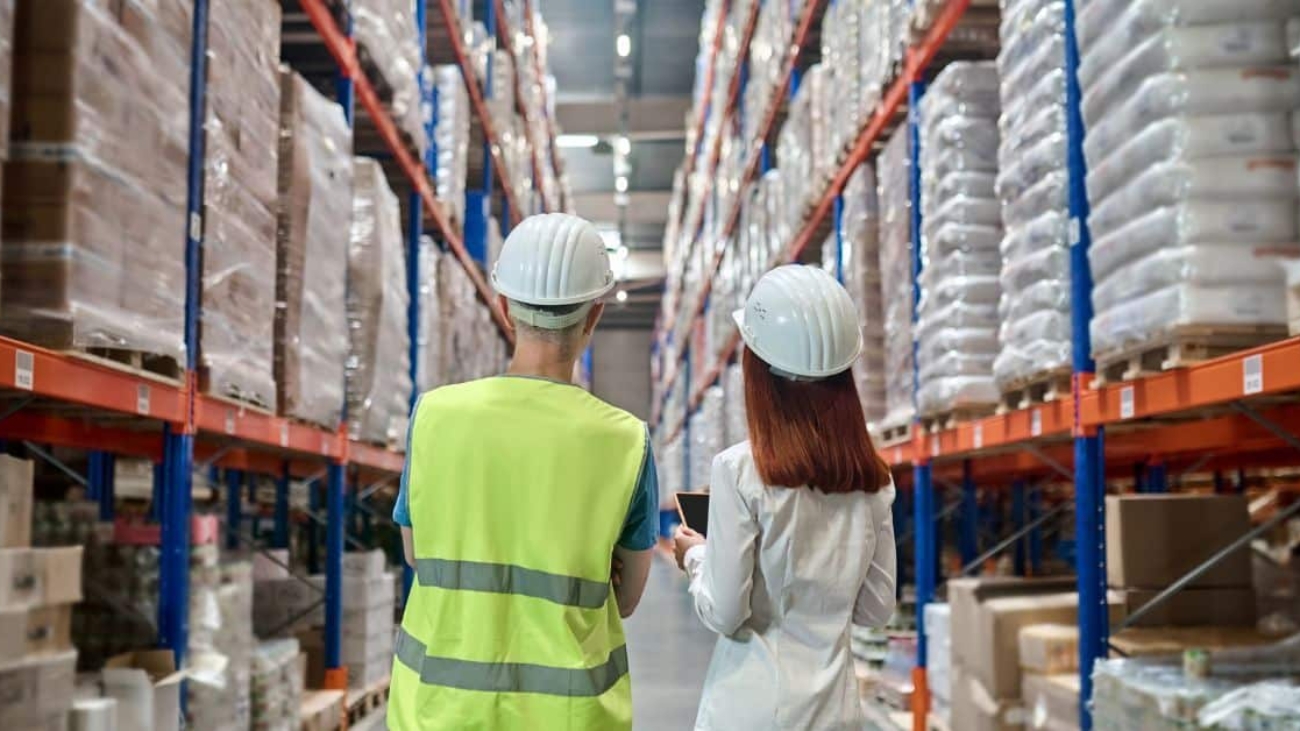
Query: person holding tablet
[801,539]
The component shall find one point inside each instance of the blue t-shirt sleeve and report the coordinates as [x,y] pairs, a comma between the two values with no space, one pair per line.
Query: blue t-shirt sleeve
[641,529]
[402,508]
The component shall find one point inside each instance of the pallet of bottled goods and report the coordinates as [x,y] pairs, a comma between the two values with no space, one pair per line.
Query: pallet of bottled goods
[388,49]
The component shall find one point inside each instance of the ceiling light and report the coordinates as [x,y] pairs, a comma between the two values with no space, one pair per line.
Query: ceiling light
[572,141]
[620,184]
[624,45]
[624,145]
[621,296]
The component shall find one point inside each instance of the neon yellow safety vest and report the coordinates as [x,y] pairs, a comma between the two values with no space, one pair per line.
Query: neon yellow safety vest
[518,489]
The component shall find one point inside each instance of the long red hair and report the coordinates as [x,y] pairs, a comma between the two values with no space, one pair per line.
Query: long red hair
[810,433]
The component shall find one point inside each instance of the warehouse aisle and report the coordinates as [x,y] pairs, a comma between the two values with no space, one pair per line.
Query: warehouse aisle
[669,653]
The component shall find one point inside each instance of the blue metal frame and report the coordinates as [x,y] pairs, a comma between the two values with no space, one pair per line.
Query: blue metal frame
[1036,535]
[838,212]
[1089,473]
[234,507]
[335,477]
[102,482]
[968,527]
[280,537]
[1157,477]
[1019,507]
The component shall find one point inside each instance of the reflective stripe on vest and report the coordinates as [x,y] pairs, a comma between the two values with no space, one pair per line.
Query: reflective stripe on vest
[505,677]
[505,579]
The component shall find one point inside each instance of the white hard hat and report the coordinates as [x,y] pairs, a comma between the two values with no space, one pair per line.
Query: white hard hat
[553,259]
[801,322]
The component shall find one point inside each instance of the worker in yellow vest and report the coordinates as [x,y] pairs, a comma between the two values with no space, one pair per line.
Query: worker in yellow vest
[521,494]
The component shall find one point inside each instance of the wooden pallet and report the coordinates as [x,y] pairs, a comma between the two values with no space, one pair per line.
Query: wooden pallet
[941,420]
[894,435]
[1039,388]
[1182,347]
[234,399]
[321,710]
[160,368]
[362,702]
[235,403]
[377,721]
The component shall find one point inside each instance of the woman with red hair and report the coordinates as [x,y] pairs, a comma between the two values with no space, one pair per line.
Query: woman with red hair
[801,540]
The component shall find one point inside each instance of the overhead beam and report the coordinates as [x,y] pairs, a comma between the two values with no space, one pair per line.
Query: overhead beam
[649,117]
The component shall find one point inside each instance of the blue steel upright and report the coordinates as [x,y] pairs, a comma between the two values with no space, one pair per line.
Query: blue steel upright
[1089,473]
[335,477]
[838,212]
[234,507]
[926,539]
[968,524]
[178,443]
[280,536]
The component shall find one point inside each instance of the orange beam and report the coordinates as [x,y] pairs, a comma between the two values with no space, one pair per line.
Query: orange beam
[81,434]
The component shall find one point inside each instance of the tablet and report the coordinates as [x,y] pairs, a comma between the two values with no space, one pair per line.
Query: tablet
[693,507]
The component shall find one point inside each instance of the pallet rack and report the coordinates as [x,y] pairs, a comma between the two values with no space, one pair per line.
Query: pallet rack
[1206,417]
[70,400]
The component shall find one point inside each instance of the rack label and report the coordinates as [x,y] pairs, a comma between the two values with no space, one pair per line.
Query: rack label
[934,445]
[979,435]
[196,226]
[24,366]
[284,434]
[230,421]
[324,445]
[142,399]
[898,455]
[1036,423]
[1126,409]
[1252,374]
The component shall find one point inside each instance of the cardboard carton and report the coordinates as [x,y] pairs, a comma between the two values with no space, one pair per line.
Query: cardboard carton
[1147,641]
[60,570]
[1049,649]
[1220,607]
[966,595]
[975,709]
[28,632]
[364,564]
[34,690]
[147,688]
[1051,701]
[15,500]
[996,665]
[93,714]
[1153,540]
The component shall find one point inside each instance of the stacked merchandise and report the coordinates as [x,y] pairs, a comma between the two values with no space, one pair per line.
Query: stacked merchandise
[236,344]
[768,51]
[725,298]
[1233,688]
[479,46]
[428,345]
[277,686]
[1049,686]
[470,345]
[708,437]
[1148,548]
[1192,170]
[94,205]
[315,211]
[896,277]
[517,157]
[893,685]
[844,49]
[957,318]
[1033,186]
[801,148]
[388,47]
[774,226]
[938,658]
[860,253]
[501,91]
[714,10]
[221,642]
[987,616]
[451,138]
[735,419]
[38,588]
[672,471]
[378,365]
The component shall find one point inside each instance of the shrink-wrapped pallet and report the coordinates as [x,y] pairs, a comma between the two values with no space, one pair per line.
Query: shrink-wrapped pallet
[315,215]
[428,373]
[451,137]
[388,47]
[860,262]
[221,642]
[378,365]
[1034,336]
[277,686]
[470,344]
[94,191]
[896,277]
[843,49]
[957,318]
[1192,171]
[733,386]
[707,433]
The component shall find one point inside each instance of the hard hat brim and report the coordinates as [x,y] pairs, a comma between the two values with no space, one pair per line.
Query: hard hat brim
[530,299]
[746,335]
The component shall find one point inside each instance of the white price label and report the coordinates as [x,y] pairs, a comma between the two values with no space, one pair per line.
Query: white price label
[284,434]
[898,455]
[196,226]
[1126,408]
[142,399]
[1076,231]
[1252,375]
[979,435]
[934,446]
[324,444]
[230,421]
[1036,423]
[24,365]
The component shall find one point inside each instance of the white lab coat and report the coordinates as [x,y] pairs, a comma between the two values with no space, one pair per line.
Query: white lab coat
[784,573]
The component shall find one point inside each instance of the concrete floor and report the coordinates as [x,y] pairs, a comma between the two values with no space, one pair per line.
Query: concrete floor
[668,651]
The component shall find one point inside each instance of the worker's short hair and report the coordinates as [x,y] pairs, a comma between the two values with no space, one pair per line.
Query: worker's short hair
[556,323]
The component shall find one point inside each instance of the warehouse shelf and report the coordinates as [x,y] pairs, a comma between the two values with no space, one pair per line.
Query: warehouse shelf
[557,163]
[343,49]
[507,43]
[710,68]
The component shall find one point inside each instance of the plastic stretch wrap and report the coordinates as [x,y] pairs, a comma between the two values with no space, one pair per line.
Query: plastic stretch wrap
[1102,20]
[767,55]
[451,137]
[428,344]
[1031,184]
[1247,689]
[388,46]
[938,651]
[737,424]
[221,636]
[314,217]
[802,146]
[844,51]
[378,365]
[6,72]
[94,203]
[957,317]
[896,276]
[470,346]
[708,434]
[277,686]
[672,469]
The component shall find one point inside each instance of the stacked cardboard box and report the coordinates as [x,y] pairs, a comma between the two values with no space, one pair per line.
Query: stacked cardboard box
[896,275]
[94,211]
[37,590]
[1149,546]
[146,688]
[378,366]
[239,194]
[388,46]
[938,658]
[314,216]
[1049,659]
